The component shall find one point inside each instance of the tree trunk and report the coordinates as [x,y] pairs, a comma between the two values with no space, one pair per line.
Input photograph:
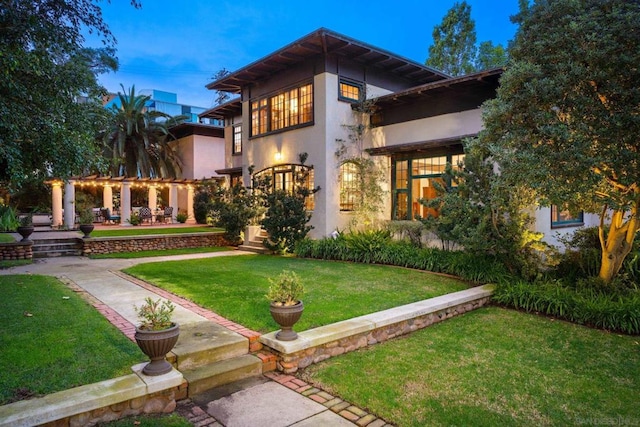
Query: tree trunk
[618,242]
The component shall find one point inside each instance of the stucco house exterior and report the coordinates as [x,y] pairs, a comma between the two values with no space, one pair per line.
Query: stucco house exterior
[299,99]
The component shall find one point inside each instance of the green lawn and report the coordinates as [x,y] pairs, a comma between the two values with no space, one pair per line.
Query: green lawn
[172,420]
[50,343]
[163,252]
[7,238]
[235,287]
[151,230]
[492,367]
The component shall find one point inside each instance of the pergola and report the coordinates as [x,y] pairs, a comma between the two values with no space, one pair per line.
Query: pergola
[66,204]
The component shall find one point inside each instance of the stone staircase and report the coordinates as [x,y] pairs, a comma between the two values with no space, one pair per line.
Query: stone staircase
[254,243]
[46,248]
[209,355]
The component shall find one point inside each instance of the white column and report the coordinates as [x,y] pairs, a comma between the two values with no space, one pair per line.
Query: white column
[153,198]
[69,204]
[191,219]
[173,200]
[125,203]
[56,204]
[107,197]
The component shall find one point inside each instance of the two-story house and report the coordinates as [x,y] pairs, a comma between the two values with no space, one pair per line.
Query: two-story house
[300,97]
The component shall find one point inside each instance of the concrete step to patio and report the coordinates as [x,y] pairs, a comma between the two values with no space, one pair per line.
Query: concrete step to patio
[56,247]
[204,343]
[209,355]
[254,246]
[221,373]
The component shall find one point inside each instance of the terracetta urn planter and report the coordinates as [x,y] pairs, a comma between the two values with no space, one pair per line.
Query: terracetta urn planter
[86,229]
[156,345]
[286,317]
[25,231]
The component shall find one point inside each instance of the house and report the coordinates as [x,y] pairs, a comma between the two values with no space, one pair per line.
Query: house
[300,99]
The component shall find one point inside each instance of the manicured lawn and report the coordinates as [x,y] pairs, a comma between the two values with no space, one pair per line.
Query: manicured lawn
[150,230]
[163,252]
[49,343]
[6,238]
[14,263]
[492,367]
[235,287]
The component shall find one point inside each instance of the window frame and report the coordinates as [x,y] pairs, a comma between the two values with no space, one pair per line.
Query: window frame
[569,222]
[282,177]
[352,83]
[267,119]
[236,142]
[348,192]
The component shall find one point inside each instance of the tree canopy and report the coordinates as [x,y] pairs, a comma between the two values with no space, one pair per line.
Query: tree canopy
[454,49]
[566,118]
[45,69]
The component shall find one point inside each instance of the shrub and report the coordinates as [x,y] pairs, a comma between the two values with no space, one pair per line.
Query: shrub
[286,289]
[411,230]
[8,218]
[182,217]
[135,219]
[233,208]
[614,311]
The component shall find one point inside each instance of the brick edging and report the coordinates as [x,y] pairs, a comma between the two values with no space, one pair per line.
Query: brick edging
[345,409]
[254,344]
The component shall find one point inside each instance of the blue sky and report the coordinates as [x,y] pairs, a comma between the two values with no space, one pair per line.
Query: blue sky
[177,46]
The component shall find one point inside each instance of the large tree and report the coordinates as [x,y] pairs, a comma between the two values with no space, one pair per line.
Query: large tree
[566,119]
[454,49]
[137,139]
[44,69]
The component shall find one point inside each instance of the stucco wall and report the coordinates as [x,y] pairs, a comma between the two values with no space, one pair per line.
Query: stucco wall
[542,224]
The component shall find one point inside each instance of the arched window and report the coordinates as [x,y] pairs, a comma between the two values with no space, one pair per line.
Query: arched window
[349,178]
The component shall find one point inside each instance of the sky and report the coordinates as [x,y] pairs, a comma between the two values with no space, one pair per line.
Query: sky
[177,46]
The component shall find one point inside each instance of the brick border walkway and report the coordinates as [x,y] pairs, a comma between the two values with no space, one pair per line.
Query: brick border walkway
[194,413]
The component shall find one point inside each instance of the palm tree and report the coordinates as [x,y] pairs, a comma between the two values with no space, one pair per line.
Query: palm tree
[136,141]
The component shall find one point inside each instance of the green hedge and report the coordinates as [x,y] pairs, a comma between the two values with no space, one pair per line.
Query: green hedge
[378,248]
[613,311]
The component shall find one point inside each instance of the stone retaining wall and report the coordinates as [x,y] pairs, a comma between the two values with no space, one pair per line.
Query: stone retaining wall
[321,343]
[108,245]
[163,402]
[16,251]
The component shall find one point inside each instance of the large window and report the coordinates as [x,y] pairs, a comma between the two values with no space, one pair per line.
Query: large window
[419,178]
[350,91]
[349,178]
[562,217]
[282,177]
[284,110]
[237,139]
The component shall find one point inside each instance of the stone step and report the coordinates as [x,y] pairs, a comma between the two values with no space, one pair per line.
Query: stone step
[67,240]
[57,253]
[256,249]
[56,247]
[204,343]
[221,373]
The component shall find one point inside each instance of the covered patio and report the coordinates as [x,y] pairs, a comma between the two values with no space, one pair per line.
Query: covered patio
[63,196]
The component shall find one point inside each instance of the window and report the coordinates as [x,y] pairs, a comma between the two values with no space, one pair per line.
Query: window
[282,177]
[237,139]
[350,91]
[349,178]
[419,178]
[284,110]
[564,218]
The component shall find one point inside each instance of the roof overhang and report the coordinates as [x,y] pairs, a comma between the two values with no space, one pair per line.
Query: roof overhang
[414,147]
[326,42]
[230,171]
[220,112]
[188,129]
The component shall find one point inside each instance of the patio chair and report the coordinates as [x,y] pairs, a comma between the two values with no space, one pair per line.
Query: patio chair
[168,214]
[107,217]
[146,215]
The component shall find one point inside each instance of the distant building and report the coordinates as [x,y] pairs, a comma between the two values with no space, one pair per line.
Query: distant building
[167,102]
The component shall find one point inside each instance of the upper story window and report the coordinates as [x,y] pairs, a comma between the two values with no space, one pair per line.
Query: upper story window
[350,91]
[564,218]
[284,110]
[237,139]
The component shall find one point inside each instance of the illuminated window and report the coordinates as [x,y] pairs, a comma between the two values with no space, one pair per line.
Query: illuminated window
[564,218]
[237,139]
[349,178]
[350,91]
[283,110]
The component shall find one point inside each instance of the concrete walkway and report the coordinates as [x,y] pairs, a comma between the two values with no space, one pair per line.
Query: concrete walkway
[275,400]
